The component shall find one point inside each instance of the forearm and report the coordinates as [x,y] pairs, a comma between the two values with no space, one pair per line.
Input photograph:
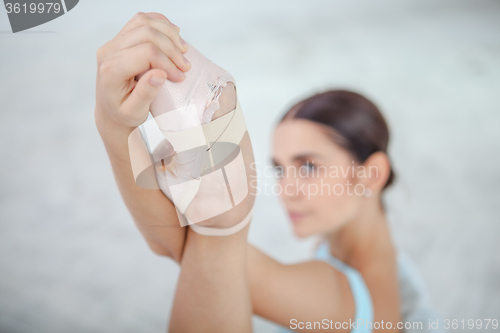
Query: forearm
[212,293]
[153,213]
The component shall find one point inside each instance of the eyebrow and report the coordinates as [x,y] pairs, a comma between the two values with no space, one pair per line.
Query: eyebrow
[302,156]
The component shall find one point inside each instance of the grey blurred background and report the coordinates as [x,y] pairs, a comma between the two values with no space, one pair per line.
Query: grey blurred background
[70,256]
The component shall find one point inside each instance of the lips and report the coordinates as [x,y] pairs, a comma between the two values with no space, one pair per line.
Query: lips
[296,216]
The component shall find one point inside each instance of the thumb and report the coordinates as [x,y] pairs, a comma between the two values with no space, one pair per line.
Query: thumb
[146,89]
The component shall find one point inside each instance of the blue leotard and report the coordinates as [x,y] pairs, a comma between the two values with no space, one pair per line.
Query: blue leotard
[415,302]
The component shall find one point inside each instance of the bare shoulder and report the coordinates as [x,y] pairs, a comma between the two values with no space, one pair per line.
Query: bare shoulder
[309,291]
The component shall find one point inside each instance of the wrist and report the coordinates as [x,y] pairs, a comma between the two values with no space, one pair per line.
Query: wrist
[218,253]
[239,237]
[106,124]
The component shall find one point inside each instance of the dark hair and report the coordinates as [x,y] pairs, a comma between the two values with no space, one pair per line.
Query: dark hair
[359,123]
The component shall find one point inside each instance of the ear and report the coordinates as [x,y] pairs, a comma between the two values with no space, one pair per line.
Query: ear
[377,171]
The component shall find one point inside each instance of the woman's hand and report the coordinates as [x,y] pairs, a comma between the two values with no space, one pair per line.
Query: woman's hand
[151,46]
[148,44]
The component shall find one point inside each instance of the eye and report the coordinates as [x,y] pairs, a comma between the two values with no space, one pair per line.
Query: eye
[278,171]
[309,167]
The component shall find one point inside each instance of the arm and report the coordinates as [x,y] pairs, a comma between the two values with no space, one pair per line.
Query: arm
[212,293]
[148,44]
[308,292]
[151,210]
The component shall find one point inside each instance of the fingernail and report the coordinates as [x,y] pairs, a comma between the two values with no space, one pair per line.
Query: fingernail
[182,75]
[187,62]
[183,42]
[156,81]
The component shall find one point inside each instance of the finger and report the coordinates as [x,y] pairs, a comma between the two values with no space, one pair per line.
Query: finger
[163,25]
[146,89]
[135,60]
[131,24]
[160,23]
[178,41]
[164,18]
[148,34]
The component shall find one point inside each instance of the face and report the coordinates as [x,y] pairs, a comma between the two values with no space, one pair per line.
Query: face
[320,183]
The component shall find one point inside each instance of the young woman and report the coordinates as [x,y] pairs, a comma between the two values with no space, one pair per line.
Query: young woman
[330,153]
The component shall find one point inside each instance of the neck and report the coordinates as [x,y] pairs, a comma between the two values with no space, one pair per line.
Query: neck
[363,238]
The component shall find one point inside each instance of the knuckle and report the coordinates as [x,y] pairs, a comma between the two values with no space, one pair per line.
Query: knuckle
[139,14]
[149,32]
[101,53]
[149,29]
[159,16]
[99,56]
[150,50]
[143,18]
[105,68]
[163,16]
